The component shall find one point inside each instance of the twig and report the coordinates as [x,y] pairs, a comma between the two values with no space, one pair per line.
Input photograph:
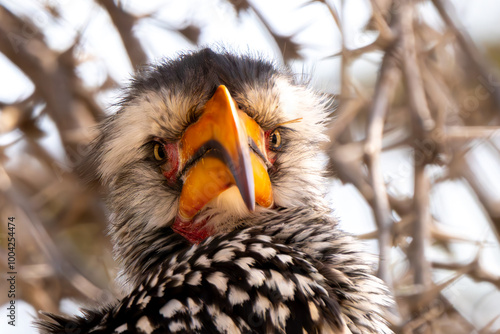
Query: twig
[379,9]
[487,328]
[189,32]
[423,121]
[352,54]
[333,12]
[448,14]
[344,116]
[124,23]
[420,227]
[471,132]
[289,49]
[41,64]
[384,91]
[46,244]
[473,269]
[439,95]
[345,79]
[491,206]
[422,126]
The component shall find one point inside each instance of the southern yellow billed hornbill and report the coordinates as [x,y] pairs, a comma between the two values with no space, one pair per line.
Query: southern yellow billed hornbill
[217,211]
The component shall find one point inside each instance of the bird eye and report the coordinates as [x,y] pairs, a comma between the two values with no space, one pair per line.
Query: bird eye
[159,152]
[275,140]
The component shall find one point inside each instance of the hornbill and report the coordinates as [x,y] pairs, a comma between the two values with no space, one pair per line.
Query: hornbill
[216,204]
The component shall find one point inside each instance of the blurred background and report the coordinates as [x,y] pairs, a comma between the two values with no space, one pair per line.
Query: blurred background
[414,156]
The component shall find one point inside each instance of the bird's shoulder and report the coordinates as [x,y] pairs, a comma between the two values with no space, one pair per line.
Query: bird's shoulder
[242,282]
[280,277]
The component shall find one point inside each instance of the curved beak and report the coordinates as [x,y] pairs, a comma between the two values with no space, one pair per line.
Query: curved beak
[224,147]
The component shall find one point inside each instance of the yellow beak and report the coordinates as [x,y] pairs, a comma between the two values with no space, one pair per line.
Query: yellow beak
[225,147]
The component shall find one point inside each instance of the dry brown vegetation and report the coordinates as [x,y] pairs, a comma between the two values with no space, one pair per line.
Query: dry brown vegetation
[436,95]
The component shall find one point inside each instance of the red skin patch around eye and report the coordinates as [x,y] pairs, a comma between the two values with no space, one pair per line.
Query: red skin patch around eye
[271,155]
[171,167]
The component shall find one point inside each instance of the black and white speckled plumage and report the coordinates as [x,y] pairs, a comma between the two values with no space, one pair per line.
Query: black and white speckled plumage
[293,271]
[283,269]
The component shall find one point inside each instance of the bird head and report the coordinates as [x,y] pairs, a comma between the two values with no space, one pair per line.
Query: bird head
[204,141]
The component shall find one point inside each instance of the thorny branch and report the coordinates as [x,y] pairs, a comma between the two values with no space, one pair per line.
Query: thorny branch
[124,23]
[389,77]
[473,269]
[448,14]
[30,53]
[430,101]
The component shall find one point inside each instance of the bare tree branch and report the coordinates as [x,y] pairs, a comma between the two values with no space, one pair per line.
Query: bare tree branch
[389,77]
[21,42]
[124,23]
[448,14]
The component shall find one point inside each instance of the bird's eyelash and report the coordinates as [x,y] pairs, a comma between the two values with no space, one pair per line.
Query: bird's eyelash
[285,129]
[297,120]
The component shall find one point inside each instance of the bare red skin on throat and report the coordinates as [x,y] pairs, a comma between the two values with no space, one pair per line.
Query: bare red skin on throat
[194,233]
